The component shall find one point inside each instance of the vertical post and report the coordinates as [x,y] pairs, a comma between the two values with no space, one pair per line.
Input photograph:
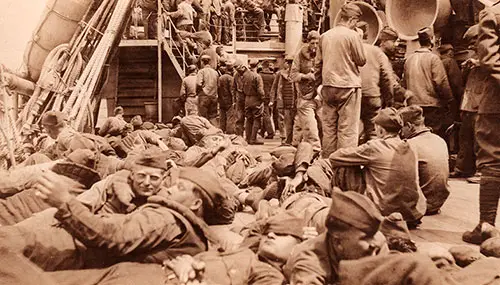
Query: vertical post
[159,28]
[234,39]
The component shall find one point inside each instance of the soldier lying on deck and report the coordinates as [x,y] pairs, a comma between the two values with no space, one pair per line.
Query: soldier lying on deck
[166,225]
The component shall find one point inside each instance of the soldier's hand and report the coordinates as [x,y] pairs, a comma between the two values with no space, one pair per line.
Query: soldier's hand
[310,77]
[120,188]
[53,189]
[309,233]
[182,267]
[271,104]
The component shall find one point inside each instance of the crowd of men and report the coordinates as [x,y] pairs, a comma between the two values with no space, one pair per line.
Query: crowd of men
[363,159]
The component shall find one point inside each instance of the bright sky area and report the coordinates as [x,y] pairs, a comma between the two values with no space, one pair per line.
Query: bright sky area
[18,19]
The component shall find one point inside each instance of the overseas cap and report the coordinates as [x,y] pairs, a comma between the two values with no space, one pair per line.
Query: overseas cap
[412,114]
[471,33]
[285,223]
[389,119]
[356,210]
[53,118]
[388,34]
[152,158]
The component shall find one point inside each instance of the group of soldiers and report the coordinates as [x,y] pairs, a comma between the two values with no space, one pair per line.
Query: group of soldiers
[145,203]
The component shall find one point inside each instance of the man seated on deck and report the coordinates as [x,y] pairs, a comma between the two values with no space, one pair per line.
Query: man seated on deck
[390,170]
[169,224]
[113,126]
[432,154]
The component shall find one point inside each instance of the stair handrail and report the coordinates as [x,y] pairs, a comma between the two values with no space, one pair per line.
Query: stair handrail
[182,50]
[322,17]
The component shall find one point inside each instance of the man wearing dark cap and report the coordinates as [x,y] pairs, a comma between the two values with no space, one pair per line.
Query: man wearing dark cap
[268,77]
[390,173]
[250,94]
[206,88]
[284,92]
[302,72]
[488,120]
[387,41]
[339,56]
[425,76]
[172,223]
[188,91]
[352,233]
[114,125]
[377,87]
[432,154]
[225,96]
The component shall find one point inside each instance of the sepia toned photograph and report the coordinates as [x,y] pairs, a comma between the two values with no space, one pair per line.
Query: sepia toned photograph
[259,142]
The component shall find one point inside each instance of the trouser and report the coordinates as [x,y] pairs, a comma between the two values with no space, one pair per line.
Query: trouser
[466,158]
[204,22]
[216,28]
[287,116]
[223,118]
[305,127]
[253,116]
[349,178]
[191,105]
[207,107]
[340,115]
[488,162]
[267,125]
[240,122]
[268,15]
[276,117]
[435,119]
[227,29]
[258,15]
[369,109]
[150,21]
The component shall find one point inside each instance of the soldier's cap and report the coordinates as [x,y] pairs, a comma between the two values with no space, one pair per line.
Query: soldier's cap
[285,223]
[389,119]
[444,48]
[80,166]
[289,57]
[176,118]
[191,68]
[471,33]
[118,110]
[388,34]
[136,121]
[356,210]
[394,226]
[362,25]
[239,63]
[53,118]
[152,158]
[425,34]
[350,10]
[253,62]
[205,57]
[312,35]
[412,114]
[218,205]
[148,126]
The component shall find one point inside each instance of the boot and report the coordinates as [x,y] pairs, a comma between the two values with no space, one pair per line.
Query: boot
[255,131]
[489,193]
[248,130]
[473,236]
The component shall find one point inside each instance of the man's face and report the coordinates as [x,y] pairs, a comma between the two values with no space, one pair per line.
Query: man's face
[52,131]
[182,192]
[389,47]
[271,66]
[277,247]
[354,244]
[212,141]
[146,181]
[313,45]
[240,69]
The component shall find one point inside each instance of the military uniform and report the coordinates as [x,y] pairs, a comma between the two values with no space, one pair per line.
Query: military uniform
[226,98]
[206,85]
[188,92]
[268,80]
[284,93]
